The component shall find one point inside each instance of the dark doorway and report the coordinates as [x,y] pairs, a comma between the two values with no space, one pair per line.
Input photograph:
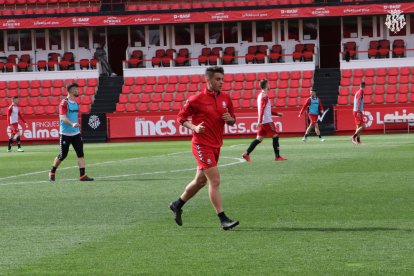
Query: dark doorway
[117,45]
[329,42]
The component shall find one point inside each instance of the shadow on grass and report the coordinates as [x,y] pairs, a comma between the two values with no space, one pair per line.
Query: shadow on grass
[310,229]
[130,180]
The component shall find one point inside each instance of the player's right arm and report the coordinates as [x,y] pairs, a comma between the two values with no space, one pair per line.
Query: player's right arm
[63,110]
[185,112]
[305,105]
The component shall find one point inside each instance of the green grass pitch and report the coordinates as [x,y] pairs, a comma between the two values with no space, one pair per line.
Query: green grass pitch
[332,209]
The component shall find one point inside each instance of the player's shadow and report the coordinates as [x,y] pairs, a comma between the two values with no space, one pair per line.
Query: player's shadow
[311,229]
[322,229]
[130,179]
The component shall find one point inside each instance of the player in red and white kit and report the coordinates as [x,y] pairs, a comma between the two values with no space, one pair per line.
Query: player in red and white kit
[210,110]
[266,125]
[13,116]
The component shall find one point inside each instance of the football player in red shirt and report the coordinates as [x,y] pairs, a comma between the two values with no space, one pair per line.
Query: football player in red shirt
[210,110]
[266,125]
[13,116]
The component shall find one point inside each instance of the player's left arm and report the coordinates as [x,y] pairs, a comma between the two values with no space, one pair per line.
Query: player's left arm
[21,118]
[321,106]
[229,117]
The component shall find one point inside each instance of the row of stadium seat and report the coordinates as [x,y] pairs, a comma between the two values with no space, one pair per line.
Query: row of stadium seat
[238,77]
[379,99]
[43,97]
[47,11]
[46,101]
[43,92]
[377,80]
[371,72]
[45,110]
[166,93]
[144,6]
[378,89]
[176,105]
[25,84]
[235,95]
[228,86]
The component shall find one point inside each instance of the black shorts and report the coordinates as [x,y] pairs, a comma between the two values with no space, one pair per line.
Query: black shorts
[65,142]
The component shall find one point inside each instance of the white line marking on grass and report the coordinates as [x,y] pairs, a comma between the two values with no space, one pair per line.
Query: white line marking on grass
[93,165]
[238,161]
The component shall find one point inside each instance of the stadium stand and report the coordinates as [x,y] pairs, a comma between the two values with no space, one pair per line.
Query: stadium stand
[383,85]
[168,93]
[43,97]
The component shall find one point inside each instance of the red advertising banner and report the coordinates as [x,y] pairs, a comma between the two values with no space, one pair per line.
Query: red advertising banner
[374,116]
[147,126]
[207,16]
[41,128]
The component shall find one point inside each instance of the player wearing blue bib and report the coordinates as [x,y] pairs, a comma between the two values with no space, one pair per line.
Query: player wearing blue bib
[315,107]
[70,133]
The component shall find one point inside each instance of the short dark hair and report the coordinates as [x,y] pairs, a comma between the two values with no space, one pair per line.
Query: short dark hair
[15,97]
[263,83]
[363,84]
[210,71]
[71,85]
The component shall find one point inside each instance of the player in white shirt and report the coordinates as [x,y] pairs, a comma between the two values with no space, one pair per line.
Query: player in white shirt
[266,125]
[13,116]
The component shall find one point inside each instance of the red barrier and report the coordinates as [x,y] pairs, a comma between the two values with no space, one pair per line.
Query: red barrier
[157,126]
[204,16]
[40,128]
[374,116]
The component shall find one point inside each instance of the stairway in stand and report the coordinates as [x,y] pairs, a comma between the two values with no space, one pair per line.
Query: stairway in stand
[326,83]
[107,94]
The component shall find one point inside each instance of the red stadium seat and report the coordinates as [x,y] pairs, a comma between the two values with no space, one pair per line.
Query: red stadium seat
[23,92]
[136,89]
[283,84]
[294,84]
[145,98]
[292,102]
[293,93]
[195,79]
[90,91]
[404,71]
[126,89]
[34,92]
[379,90]
[378,99]
[133,98]
[346,73]
[143,107]
[44,101]
[403,89]
[345,82]
[23,102]
[306,83]
[154,107]
[56,92]
[170,88]
[159,89]
[359,73]
[130,107]
[50,109]
[295,75]
[402,98]
[120,107]
[380,80]
[28,110]
[128,81]
[148,89]
[179,97]
[381,72]
[390,98]
[369,72]
[403,80]
[391,89]
[280,102]
[368,99]
[393,71]
[165,106]
[123,99]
